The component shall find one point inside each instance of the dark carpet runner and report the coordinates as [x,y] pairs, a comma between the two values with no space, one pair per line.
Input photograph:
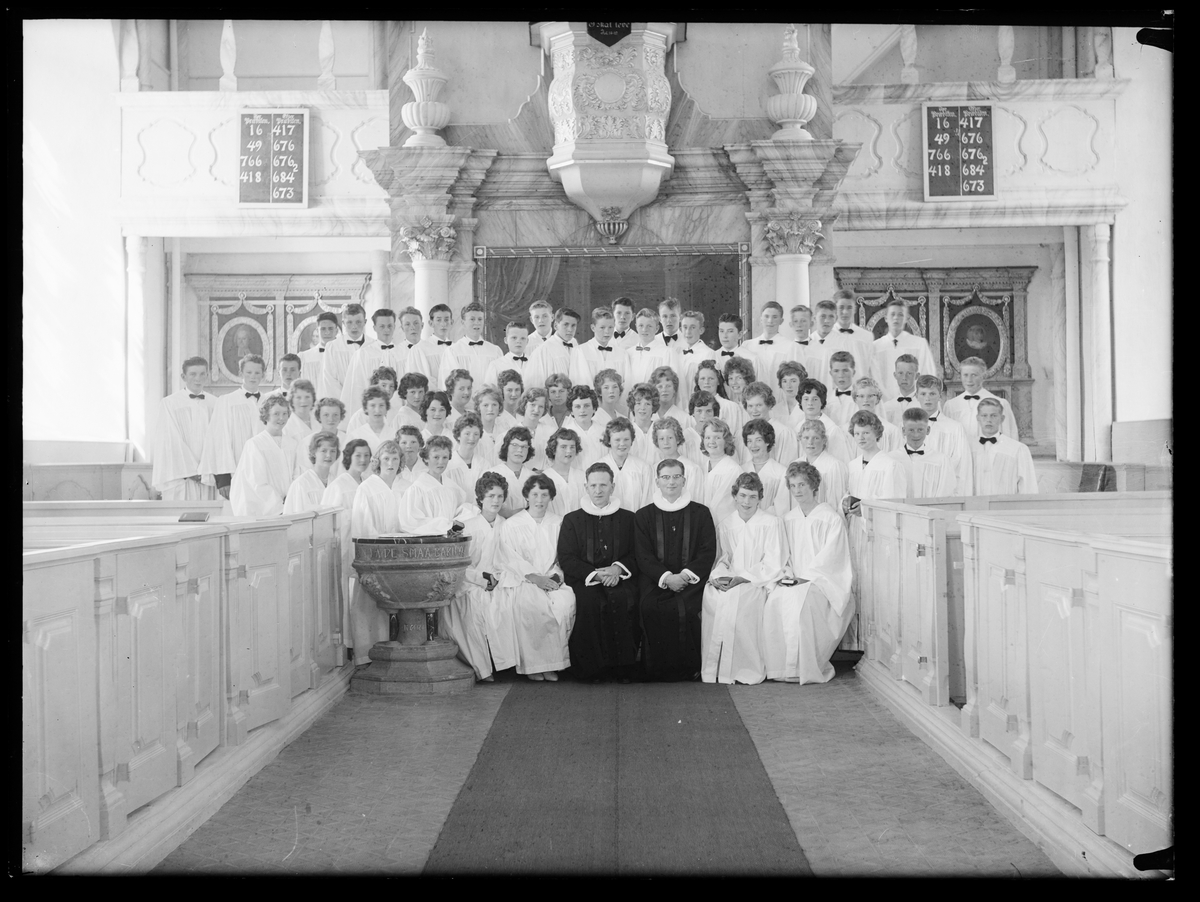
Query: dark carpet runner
[612,779]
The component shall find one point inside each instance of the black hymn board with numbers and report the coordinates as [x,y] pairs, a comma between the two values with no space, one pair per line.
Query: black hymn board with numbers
[959,159]
[273,158]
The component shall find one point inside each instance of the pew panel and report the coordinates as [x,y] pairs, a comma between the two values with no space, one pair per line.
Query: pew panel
[922,630]
[302,596]
[197,652]
[60,787]
[327,579]
[885,569]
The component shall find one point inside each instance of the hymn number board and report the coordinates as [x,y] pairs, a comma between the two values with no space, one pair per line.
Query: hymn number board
[273,158]
[959,159]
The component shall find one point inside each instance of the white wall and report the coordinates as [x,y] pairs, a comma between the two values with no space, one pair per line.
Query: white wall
[1142,237]
[74,265]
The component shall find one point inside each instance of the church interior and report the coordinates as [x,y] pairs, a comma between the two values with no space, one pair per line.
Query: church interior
[225,189]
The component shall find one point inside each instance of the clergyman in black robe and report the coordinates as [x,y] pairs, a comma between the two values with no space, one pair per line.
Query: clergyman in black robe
[676,546]
[595,552]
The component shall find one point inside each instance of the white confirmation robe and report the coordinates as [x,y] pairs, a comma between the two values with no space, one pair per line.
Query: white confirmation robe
[802,625]
[481,622]
[305,493]
[178,445]
[428,507]
[374,515]
[543,620]
[340,493]
[1003,468]
[731,621]
[263,475]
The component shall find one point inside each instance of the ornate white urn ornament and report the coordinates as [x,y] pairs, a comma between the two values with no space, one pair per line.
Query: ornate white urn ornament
[426,114]
[609,108]
[791,108]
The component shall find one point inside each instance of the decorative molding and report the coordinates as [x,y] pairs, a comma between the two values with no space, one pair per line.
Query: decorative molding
[428,240]
[163,152]
[1065,134]
[792,235]
[791,108]
[977,91]
[331,152]
[360,169]
[870,145]
[901,149]
[218,146]
[1020,135]
[425,115]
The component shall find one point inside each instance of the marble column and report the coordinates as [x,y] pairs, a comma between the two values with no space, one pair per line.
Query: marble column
[791,280]
[1101,343]
[380,281]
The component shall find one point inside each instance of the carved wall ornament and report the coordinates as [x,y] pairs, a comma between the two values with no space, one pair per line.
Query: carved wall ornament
[610,91]
[426,114]
[791,108]
[428,241]
[793,235]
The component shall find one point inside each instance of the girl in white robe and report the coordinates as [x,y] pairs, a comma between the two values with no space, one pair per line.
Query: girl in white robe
[430,505]
[543,608]
[267,466]
[303,422]
[814,449]
[751,556]
[634,480]
[562,451]
[375,514]
[514,467]
[412,464]
[758,436]
[306,492]
[356,460]
[467,464]
[375,430]
[723,471]
[803,623]
[480,618]
[670,443]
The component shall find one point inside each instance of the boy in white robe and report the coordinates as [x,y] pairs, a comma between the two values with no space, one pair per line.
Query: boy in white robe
[962,407]
[946,435]
[267,466]
[426,356]
[429,506]
[848,336]
[179,443]
[646,355]
[1003,466]
[375,514]
[289,372]
[543,608]
[769,348]
[340,352]
[751,556]
[599,352]
[471,352]
[802,349]
[235,419]
[312,359]
[516,339]
[553,356]
[896,342]
[625,334]
[930,473]
[690,350]
[840,404]
[307,490]
[382,350]
[480,618]
[541,314]
[904,372]
[807,613]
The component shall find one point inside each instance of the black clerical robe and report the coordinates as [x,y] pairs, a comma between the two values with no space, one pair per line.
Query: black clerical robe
[606,631]
[671,542]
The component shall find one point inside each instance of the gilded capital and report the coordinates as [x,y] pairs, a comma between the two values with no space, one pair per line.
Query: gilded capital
[792,235]
[427,240]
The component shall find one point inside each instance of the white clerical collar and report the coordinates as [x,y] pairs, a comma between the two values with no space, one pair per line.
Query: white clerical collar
[664,505]
[614,505]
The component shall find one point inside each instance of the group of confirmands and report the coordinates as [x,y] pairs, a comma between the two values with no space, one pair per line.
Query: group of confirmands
[644,505]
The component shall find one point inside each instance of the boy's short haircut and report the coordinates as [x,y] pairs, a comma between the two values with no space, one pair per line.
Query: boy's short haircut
[382,312]
[693,314]
[669,303]
[601,313]
[826,305]
[327,317]
[383,372]
[773,305]
[897,302]
[563,313]
[540,305]
[516,324]
[817,387]
[801,307]
[558,380]
[251,358]
[929,381]
[646,313]
[410,381]
[622,302]
[456,376]
[908,358]
[441,308]
[990,402]
[731,318]
[413,311]
[583,392]
[608,375]
[843,294]
[353,310]
[916,414]
[790,368]
[507,377]
[193,361]
[291,358]
[866,418]
[473,307]
[842,357]
[759,390]
[973,361]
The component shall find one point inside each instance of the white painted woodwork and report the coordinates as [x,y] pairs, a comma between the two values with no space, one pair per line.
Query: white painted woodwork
[302,591]
[60,787]
[87,481]
[197,651]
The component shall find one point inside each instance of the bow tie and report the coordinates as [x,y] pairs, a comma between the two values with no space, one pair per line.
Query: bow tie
[838,392]
[387,347]
[252,394]
[799,342]
[618,335]
[199,397]
[970,397]
[667,339]
[984,441]
[821,341]
[445,342]
[603,348]
[640,348]
[847,331]
[522,359]
[933,419]
[895,342]
[688,351]
[351,341]
[320,350]
[567,344]
[728,353]
[475,344]
[766,341]
[911,451]
[902,398]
